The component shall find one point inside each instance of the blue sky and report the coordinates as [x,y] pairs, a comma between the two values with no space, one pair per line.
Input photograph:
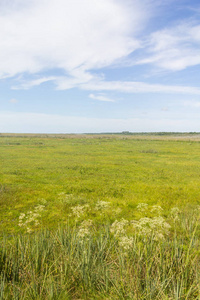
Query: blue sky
[76,66]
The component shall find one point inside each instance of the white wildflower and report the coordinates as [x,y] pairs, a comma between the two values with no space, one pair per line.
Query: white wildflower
[20,224]
[83,233]
[126,242]
[148,226]
[29,230]
[156,209]
[84,230]
[22,216]
[158,236]
[39,208]
[61,194]
[79,210]
[86,206]
[30,220]
[175,210]
[87,223]
[118,210]
[102,205]
[36,223]
[43,201]
[142,207]
[118,228]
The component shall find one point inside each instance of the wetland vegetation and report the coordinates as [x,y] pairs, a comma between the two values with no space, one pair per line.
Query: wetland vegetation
[100,216]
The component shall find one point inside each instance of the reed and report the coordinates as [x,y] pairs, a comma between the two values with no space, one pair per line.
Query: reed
[106,264]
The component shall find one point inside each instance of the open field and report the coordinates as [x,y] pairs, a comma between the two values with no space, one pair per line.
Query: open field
[122,214]
[89,169]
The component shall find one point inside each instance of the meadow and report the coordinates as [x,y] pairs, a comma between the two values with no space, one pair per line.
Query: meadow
[99,217]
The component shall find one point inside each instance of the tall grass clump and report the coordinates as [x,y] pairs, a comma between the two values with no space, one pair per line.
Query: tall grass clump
[148,258]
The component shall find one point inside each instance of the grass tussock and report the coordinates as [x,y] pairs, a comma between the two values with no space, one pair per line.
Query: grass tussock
[151,258]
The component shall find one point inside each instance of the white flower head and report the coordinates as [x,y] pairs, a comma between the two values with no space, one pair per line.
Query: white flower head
[126,242]
[102,205]
[22,216]
[78,210]
[157,209]
[30,219]
[118,228]
[142,207]
[148,226]
[84,230]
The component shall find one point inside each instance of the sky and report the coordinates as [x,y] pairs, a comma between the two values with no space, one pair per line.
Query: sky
[90,66]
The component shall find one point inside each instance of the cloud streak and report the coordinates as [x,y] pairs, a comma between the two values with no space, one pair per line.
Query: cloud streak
[139,87]
[101,98]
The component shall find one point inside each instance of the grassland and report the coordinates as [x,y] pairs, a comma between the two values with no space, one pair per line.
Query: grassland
[122,171]
[72,222]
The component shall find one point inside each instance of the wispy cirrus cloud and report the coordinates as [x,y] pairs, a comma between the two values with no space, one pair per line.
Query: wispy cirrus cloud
[129,87]
[138,87]
[27,84]
[174,48]
[101,97]
[98,83]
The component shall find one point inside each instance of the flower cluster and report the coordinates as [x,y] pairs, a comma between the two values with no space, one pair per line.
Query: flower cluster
[156,226]
[31,220]
[84,230]
[117,211]
[43,201]
[144,208]
[118,228]
[79,210]
[157,209]
[102,205]
[141,207]
[126,242]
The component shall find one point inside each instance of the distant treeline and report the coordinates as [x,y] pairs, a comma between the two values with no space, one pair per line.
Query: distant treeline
[80,135]
[147,133]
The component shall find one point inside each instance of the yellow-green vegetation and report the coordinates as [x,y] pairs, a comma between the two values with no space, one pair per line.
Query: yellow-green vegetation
[61,173]
[99,217]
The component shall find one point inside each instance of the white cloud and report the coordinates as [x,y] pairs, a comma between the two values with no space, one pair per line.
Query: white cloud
[81,36]
[101,98]
[75,36]
[174,48]
[86,81]
[28,84]
[138,87]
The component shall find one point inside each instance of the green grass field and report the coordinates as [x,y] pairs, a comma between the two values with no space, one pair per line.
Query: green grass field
[88,169]
[99,217]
